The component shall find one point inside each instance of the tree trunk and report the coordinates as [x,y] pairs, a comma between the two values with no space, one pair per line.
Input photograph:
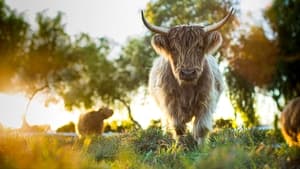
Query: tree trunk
[25,124]
[130,113]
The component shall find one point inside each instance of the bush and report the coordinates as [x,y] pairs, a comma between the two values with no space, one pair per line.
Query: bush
[70,127]
[224,123]
[119,127]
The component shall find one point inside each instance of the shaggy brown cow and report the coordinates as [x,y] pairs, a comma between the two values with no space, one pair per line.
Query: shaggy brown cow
[91,123]
[290,122]
[186,82]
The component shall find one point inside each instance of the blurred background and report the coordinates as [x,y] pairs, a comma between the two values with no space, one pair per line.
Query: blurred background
[60,58]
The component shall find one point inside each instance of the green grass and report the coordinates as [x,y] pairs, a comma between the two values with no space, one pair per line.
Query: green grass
[149,148]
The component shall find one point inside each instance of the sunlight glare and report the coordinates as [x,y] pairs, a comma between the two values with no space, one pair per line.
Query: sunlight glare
[145,109]
[11,110]
[12,107]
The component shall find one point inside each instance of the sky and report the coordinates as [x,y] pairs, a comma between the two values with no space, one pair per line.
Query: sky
[117,20]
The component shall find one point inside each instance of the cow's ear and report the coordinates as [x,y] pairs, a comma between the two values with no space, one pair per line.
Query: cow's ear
[214,41]
[160,45]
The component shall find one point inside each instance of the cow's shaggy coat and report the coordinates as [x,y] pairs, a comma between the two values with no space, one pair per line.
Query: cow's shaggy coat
[290,122]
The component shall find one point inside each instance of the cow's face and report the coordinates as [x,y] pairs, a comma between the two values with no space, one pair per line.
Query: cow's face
[185,48]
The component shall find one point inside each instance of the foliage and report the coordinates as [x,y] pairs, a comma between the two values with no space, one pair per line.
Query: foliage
[241,148]
[171,13]
[242,96]
[46,60]
[94,80]
[248,68]
[45,55]
[70,127]
[249,62]
[155,124]
[101,148]
[123,126]
[135,62]
[13,34]
[224,123]
[267,63]
[284,19]
[150,140]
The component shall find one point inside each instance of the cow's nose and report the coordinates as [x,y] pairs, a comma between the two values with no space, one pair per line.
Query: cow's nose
[187,74]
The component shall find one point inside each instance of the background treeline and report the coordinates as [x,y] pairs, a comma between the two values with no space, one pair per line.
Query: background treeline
[257,58]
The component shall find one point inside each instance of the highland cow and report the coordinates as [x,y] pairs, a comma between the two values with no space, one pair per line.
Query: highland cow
[290,122]
[186,82]
[91,123]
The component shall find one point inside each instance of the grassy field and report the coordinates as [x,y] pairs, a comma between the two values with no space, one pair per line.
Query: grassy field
[261,149]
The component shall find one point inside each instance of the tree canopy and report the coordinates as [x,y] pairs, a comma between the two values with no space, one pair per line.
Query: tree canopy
[79,70]
[13,32]
[284,17]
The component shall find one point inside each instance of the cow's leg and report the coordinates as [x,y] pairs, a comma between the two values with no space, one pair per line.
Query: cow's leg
[178,128]
[201,126]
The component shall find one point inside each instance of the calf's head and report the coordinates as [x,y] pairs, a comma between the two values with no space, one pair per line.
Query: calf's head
[185,47]
[105,112]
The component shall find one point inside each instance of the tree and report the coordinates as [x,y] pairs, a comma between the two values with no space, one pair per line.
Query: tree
[80,71]
[135,62]
[13,36]
[99,81]
[284,18]
[251,63]
[242,97]
[267,64]
[133,66]
[44,57]
[254,57]
[93,72]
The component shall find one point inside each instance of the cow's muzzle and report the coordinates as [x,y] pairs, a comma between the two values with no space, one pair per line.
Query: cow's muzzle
[187,74]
